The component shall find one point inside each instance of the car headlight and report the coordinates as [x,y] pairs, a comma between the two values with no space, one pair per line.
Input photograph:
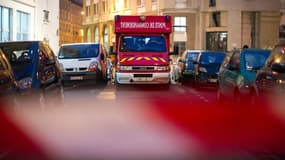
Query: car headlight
[279,81]
[25,83]
[202,69]
[61,68]
[125,68]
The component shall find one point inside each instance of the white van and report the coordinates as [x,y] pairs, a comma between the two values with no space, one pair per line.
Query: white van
[83,61]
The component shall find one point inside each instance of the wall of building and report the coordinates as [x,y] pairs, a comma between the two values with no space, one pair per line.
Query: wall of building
[70,19]
[47,29]
[38,29]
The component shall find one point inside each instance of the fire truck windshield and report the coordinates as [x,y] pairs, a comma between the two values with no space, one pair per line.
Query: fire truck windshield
[143,44]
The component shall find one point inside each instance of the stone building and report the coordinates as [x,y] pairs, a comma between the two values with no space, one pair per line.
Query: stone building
[197,24]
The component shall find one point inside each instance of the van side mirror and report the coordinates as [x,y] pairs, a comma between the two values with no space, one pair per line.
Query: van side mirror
[102,57]
[175,50]
[111,50]
[277,68]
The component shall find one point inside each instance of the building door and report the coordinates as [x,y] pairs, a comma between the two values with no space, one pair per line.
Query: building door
[216,41]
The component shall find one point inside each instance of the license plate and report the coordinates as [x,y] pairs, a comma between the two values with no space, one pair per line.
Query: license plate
[143,79]
[213,80]
[76,78]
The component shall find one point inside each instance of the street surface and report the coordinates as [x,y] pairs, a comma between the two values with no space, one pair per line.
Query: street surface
[88,121]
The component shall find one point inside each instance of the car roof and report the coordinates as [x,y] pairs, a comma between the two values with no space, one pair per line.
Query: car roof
[15,42]
[88,43]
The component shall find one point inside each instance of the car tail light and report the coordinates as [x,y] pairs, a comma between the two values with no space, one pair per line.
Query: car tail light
[25,83]
[93,66]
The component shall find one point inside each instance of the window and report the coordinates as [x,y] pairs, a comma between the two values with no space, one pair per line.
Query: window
[23,25]
[5,24]
[46,16]
[212,3]
[215,19]
[96,8]
[179,24]
[104,7]
[140,3]
[87,11]
[126,4]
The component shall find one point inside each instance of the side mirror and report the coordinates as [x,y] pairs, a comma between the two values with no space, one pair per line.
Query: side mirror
[50,61]
[233,67]
[277,67]
[102,57]
[175,50]
[111,50]
[181,61]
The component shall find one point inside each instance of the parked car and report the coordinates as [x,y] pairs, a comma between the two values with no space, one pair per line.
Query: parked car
[208,66]
[109,69]
[83,61]
[33,63]
[8,84]
[271,78]
[187,64]
[236,78]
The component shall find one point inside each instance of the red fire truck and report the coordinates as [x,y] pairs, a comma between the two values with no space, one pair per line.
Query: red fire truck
[142,49]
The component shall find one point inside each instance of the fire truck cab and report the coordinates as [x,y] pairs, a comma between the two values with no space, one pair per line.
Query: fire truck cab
[142,49]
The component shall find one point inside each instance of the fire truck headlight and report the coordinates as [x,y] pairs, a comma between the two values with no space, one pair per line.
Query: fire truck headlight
[162,68]
[125,68]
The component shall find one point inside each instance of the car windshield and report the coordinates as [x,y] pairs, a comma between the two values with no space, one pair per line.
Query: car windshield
[143,44]
[212,58]
[192,56]
[255,60]
[78,51]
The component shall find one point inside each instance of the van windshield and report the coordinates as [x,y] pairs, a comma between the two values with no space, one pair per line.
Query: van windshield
[143,44]
[212,58]
[78,51]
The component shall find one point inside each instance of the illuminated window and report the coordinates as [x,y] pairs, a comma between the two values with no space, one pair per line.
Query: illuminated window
[5,24]
[140,3]
[95,8]
[23,25]
[104,6]
[180,24]
[126,4]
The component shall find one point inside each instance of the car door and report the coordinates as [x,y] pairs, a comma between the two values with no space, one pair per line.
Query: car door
[103,61]
[7,80]
[46,67]
[229,75]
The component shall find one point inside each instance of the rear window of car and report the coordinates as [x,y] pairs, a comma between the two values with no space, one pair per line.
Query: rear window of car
[18,53]
[207,58]
[192,56]
[78,51]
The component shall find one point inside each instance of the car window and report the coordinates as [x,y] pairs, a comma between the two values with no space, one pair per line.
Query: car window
[209,58]
[235,60]
[143,43]
[254,60]
[276,56]
[78,51]
[192,56]
[49,52]
[18,53]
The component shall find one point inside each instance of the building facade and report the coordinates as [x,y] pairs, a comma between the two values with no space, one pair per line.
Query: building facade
[29,20]
[70,22]
[197,24]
